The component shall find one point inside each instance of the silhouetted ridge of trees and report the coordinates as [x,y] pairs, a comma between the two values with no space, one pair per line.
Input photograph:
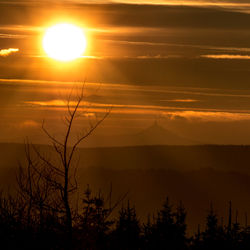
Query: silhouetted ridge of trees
[94,228]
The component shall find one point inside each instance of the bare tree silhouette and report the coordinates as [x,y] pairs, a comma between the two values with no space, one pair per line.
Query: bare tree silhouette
[46,184]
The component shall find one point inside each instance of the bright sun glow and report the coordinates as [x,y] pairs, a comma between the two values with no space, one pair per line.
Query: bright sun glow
[64,42]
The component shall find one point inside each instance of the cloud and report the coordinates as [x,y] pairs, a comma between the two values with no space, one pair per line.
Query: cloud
[51,103]
[165,2]
[189,3]
[139,14]
[207,116]
[180,100]
[156,57]
[221,3]
[28,124]
[172,113]
[11,36]
[7,52]
[110,87]
[227,56]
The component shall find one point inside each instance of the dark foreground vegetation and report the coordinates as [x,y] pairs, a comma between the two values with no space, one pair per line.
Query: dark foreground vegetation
[26,224]
[50,211]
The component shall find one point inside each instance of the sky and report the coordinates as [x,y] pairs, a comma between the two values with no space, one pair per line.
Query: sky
[184,64]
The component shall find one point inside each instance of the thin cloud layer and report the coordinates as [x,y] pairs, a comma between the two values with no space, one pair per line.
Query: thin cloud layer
[188,2]
[201,116]
[7,52]
[225,56]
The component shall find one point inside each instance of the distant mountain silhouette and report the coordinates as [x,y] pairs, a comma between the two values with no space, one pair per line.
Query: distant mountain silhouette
[157,135]
[153,135]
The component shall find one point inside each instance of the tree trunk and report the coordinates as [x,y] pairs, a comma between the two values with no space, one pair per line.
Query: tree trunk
[68,218]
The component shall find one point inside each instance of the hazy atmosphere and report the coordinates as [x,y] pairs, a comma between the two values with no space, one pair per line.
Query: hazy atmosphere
[125,124]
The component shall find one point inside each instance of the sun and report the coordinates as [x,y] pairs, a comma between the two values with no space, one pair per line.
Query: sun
[64,42]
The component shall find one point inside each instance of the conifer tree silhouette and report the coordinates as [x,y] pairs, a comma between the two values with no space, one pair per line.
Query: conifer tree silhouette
[181,227]
[169,229]
[127,231]
[214,235]
[94,222]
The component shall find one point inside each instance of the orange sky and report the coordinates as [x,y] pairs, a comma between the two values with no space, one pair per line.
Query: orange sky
[184,63]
